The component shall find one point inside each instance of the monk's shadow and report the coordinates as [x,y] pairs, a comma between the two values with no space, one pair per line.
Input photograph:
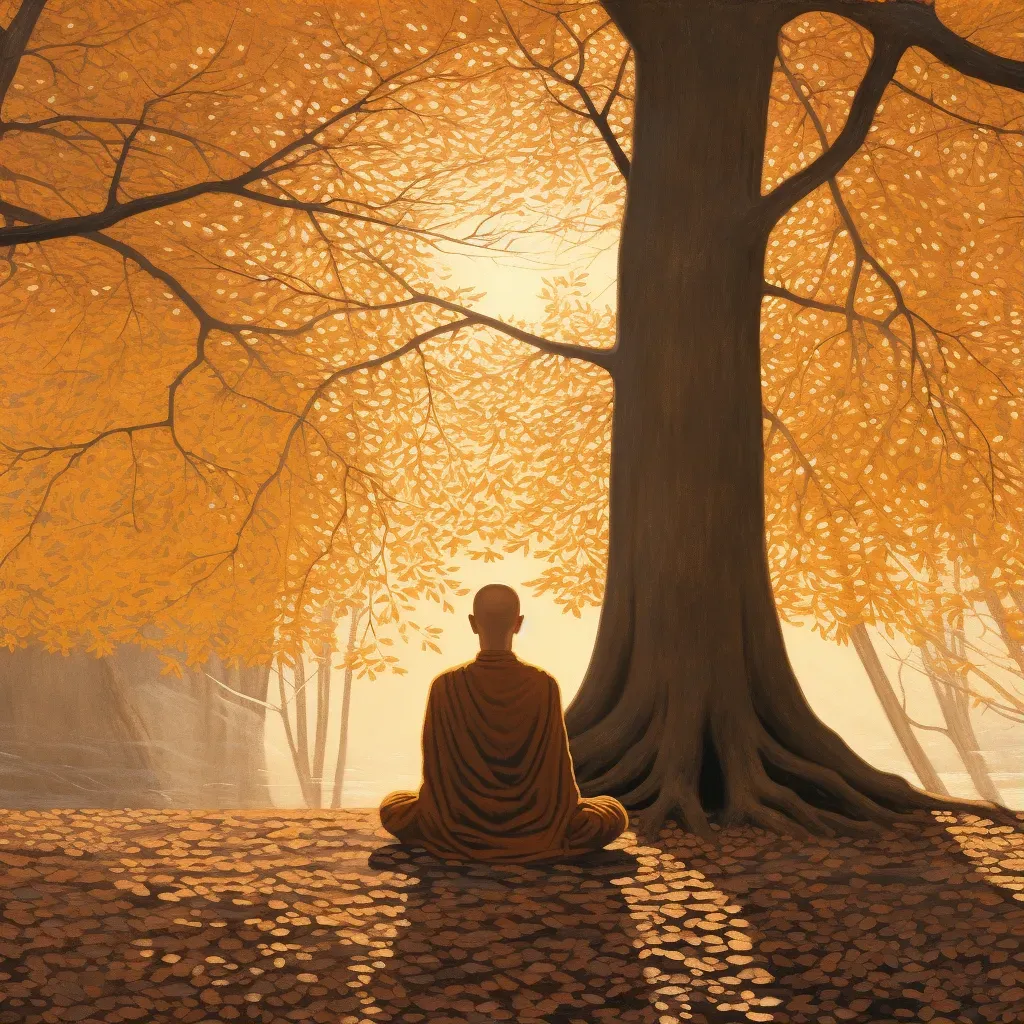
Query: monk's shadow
[475,944]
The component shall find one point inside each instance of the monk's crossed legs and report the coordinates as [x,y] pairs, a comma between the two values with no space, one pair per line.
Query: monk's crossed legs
[597,822]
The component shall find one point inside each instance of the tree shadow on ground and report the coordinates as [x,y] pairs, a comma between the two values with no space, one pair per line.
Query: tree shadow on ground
[923,923]
[552,943]
[175,916]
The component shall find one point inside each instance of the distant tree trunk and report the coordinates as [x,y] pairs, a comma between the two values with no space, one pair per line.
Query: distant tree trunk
[339,769]
[299,761]
[894,711]
[214,703]
[953,696]
[253,681]
[233,746]
[70,735]
[690,703]
[301,715]
[323,709]
[998,612]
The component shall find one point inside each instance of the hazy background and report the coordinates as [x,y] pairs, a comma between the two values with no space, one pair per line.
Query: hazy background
[386,714]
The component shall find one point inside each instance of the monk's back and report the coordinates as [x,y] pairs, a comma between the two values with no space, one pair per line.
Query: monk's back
[497,778]
[498,707]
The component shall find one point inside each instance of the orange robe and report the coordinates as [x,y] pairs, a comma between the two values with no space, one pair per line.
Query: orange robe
[498,784]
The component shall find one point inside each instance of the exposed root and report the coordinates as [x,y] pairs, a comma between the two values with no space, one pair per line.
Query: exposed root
[732,740]
[815,746]
[627,724]
[635,762]
[886,798]
[760,815]
[674,801]
[804,798]
[801,813]
[854,802]
[640,794]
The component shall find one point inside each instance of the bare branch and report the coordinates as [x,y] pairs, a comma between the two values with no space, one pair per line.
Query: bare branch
[243,696]
[603,357]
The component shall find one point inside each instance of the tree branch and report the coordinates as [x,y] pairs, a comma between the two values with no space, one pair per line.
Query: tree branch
[918,24]
[603,357]
[13,41]
[880,72]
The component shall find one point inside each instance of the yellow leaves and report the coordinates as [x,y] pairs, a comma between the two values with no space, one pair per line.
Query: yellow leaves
[263,482]
[100,647]
[886,377]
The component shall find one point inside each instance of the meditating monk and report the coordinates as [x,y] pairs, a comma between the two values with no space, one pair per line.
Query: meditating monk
[498,782]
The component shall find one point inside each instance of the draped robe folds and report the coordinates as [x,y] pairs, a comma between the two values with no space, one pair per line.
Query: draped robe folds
[498,783]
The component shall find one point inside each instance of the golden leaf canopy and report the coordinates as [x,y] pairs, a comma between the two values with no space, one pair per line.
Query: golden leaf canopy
[242,385]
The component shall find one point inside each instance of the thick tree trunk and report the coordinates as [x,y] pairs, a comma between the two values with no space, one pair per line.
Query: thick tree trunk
[690,704]
[895,711]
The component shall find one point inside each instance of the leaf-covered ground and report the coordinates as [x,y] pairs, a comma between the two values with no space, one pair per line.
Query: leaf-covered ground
[280,916]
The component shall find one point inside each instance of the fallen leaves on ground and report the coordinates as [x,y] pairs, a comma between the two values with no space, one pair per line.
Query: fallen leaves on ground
[279,916]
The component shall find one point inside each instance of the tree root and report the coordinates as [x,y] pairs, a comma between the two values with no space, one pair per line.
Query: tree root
[803,797]
[594,747]
[676,802]
[636,760]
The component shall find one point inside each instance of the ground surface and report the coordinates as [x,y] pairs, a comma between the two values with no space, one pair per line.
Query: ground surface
[314,916]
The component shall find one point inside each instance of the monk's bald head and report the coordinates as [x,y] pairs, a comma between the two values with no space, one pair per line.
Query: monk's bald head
[496,617]
[496,607]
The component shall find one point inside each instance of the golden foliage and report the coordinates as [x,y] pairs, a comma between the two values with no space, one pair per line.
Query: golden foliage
[237,387]
[229,389]
[892,342]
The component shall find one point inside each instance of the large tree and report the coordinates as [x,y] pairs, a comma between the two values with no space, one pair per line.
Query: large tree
[271,452]
[691,686]
[890,408]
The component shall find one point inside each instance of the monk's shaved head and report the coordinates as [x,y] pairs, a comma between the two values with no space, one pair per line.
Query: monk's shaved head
[496,617]
[496,607]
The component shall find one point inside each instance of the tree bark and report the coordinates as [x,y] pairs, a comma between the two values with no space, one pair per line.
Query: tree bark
[689,704]
[14,40]
[895,711]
